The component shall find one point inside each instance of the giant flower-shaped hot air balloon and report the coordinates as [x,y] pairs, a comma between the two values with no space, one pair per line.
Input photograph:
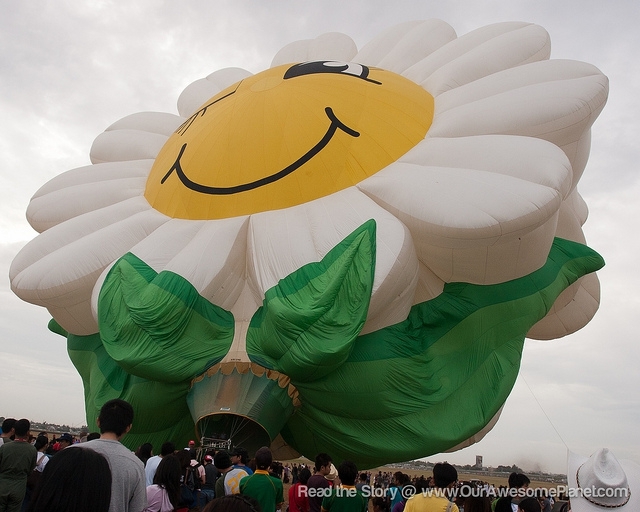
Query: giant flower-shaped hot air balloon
[342,253]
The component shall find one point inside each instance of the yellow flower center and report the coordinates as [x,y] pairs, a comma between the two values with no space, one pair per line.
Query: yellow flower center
[287,136]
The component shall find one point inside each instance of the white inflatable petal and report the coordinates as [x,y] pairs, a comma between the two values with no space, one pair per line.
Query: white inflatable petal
[69,262]
[63,280]
[50,210]
[162,123]
[330,46]
[529,43]
[80,191]
[126,144]
[569,316]
[490,264]
[226,77]
[469,225]
[74,318]
[578,206]
[376,49]
[272,253]
[321,225]
[429,285]
[165,243]
[526,158]
[457,48]
[577,146]
[211,255]
[572,217]
[418,41]
[536,73]
[559,111]
[296,51]
[95,173]
[578,153]
[74,229]
[463,207]
[219,272]
[201,90]
[242,311]
[397,273]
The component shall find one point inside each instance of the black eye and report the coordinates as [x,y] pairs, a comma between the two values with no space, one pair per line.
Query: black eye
[330,66]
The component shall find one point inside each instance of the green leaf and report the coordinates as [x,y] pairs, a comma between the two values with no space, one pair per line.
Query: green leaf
[157,326]
[309,321]
[424,385]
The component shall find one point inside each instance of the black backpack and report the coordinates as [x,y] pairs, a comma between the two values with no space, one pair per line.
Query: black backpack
[192,478]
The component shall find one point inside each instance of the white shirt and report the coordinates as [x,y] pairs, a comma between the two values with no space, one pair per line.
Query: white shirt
[41,461]
[150,468]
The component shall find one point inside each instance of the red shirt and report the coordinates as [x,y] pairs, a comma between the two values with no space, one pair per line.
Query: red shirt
[298,500]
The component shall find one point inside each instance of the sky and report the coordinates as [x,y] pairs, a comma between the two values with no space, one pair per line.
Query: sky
[69,69]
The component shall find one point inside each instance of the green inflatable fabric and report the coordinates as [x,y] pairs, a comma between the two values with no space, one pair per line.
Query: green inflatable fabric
[406,391]
[422,386]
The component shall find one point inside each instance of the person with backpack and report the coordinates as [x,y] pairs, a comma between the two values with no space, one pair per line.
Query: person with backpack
[191,480]
[196,480]
[197,475]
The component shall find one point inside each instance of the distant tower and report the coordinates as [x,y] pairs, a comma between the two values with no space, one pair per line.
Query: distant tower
[478,464]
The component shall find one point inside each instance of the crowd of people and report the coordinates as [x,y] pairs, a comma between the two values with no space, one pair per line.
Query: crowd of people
[98,473]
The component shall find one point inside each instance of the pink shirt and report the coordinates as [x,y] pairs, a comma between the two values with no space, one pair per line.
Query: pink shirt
[158,499]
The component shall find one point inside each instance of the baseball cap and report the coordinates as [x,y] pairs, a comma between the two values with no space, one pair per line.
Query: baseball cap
[66,437]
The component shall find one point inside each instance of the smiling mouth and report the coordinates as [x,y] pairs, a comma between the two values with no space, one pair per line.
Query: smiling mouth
[335,125]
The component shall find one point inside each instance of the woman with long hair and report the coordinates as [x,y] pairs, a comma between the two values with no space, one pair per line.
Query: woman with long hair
[75,480]
[164,494]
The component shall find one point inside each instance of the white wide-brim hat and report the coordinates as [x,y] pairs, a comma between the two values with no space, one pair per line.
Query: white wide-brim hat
[333,473]
[603,483]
